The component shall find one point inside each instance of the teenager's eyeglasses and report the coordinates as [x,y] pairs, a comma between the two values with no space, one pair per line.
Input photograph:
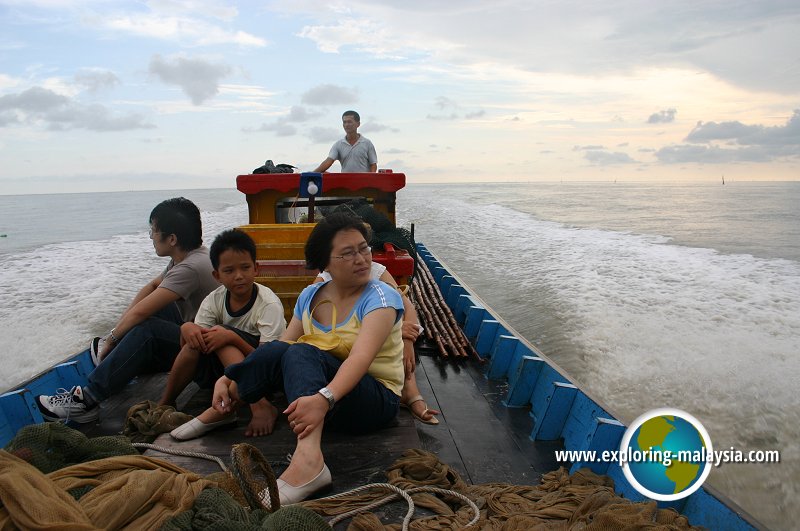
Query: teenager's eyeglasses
[151,232]
[349,256]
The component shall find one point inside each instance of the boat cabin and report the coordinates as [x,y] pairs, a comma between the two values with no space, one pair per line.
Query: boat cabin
[282,210]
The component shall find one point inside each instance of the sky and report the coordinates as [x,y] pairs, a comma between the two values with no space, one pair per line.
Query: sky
[100,95]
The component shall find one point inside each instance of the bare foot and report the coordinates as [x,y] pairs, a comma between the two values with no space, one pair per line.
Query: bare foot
[264,417]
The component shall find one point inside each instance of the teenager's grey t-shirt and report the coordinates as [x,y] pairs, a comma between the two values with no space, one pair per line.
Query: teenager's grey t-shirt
[192,280]
[356,158]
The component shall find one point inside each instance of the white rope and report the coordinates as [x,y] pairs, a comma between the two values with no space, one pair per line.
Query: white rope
[398,493]
[182,452]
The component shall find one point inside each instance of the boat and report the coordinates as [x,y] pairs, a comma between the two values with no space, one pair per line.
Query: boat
[506,408]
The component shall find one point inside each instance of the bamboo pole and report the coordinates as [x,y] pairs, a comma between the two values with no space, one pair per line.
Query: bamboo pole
[440,323]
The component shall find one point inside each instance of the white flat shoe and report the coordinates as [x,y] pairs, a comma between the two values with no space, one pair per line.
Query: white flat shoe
[196,428]
[290,494]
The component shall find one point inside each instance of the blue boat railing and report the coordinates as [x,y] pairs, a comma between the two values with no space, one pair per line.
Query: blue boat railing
[559,408]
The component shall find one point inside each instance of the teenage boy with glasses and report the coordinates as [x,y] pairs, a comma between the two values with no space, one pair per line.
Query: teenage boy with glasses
[146,338]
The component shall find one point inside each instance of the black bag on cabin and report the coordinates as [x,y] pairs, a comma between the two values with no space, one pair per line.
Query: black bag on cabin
[269,167]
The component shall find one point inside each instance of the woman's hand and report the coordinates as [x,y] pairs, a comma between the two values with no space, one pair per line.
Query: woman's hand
[306,414]
[225,395]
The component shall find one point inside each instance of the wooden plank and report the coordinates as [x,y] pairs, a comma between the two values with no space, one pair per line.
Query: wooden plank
[485,444]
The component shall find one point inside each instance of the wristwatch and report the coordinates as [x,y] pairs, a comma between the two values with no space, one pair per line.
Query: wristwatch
[328,396]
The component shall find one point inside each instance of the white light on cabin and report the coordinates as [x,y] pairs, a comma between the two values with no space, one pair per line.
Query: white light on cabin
[312,188]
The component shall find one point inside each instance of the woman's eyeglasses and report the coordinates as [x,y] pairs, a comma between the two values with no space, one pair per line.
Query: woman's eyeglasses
[349,256]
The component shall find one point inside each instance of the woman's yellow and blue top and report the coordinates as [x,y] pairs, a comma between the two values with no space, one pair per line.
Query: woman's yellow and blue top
[387,367]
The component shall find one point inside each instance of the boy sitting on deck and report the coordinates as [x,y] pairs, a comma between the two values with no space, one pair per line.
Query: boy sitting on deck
[146,338]
[231,322]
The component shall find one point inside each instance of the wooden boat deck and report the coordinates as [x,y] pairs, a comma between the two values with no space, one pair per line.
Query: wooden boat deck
[478,436]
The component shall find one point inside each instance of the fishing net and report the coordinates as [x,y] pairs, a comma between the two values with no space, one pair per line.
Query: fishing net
[146,420]
[214,509]
[583,500]
[128,491]
[104,483]
[52,446]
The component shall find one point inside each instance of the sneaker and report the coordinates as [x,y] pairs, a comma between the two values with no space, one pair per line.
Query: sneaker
[95,347]
[67,405]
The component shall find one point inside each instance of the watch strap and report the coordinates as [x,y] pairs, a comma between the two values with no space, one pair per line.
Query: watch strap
[325,392]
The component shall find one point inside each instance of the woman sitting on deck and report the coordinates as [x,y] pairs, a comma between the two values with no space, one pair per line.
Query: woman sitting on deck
[355,386]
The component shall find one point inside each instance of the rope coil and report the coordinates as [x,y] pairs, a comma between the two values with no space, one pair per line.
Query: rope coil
[243,455]
[397,493]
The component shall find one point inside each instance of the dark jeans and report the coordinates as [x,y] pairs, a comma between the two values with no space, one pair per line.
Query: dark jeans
[302,370]
[150,346]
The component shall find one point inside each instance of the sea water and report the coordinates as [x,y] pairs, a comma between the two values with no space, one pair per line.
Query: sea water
[648,295]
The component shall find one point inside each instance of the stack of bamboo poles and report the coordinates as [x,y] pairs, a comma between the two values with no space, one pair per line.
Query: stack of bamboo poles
[440,324]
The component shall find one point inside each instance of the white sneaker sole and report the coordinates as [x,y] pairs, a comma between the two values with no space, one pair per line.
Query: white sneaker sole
[81,418]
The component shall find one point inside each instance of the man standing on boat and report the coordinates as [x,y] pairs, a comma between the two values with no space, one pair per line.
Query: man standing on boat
[355,152]
[147,337]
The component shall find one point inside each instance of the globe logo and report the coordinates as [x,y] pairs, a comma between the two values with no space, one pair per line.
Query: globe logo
[666,453]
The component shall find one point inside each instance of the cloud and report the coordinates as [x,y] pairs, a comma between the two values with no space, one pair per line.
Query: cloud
[681,154]
[279,128]
[217,9]
[321,135]
[188,29]
[375,127]
[740,143]
[662,117]
[298,114]
[748,135]
[198,78]
[443,102]
[283,125]
[394,151]
[621,36]
[587,148]
[329,94]
[95,79]
[605,158]
[361,34]
[442,117]
[59,113]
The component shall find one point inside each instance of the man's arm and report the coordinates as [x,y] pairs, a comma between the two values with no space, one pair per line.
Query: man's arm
[138,312]
[373,168]
[327,163]
[146,290]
